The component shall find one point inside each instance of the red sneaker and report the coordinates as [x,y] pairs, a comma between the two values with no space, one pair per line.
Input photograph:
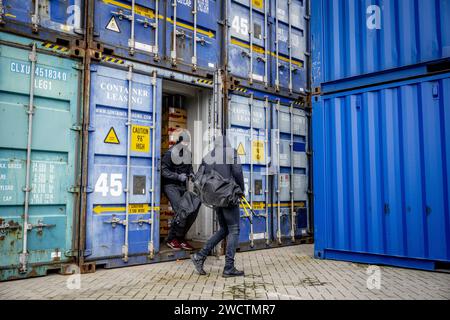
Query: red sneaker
[186,246]
[174,244]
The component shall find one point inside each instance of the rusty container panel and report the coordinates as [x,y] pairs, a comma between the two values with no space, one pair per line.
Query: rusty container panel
[36,229]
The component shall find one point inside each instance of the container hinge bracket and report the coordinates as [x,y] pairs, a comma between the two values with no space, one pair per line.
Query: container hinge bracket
[78,66]
[6,227]
[76,253]
[76,127]
[74,189]
[88,189]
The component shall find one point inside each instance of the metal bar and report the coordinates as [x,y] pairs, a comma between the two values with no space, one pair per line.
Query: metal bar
[266,191]
[290,45]
[131,40]
[35,17]
[266,49]
[250,34]
[251,169]
[2,12]
[277,79]
[194,57]
[156,47]
[278,175]
[127,190]
[24,256]
[173,53]
[293,214]
[151,246]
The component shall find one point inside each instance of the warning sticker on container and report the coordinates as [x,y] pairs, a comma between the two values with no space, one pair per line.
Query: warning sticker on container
[132,209]
[241,150]
[112,25]
[140,138]
[111,137]
[257,4]
[257,150]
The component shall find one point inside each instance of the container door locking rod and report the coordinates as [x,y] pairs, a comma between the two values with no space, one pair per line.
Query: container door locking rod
[277,62]
[23,258]
[266,160]
[35,17]
[151,247]
[250,35]
[278,174]
[293,214]
[290,45]
[266,49]
[250,191]
[127,190]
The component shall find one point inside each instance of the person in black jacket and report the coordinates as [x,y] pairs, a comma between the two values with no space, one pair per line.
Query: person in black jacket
[176,167]
[225,160]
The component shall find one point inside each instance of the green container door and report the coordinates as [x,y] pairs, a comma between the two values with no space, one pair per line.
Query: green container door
[39,237]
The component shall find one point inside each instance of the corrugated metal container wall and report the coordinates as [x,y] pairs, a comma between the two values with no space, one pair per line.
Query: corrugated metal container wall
[126,35]
[38,159]
[192,36]
[248,48]
[249,123]
[122,223]
[290,32]
[354,38]
[290,191]
[381,174]
[185,33]
[28,17]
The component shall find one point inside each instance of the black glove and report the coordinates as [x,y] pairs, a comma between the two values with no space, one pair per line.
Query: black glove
[182,177]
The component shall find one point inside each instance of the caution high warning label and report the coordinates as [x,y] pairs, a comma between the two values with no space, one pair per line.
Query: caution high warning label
[140,138]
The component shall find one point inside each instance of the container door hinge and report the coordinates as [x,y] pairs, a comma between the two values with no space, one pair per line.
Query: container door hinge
[78,66]
[76,253]
[74,189]
[88,189]
[76,127]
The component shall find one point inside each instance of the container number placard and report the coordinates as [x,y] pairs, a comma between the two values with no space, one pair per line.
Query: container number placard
[140,138]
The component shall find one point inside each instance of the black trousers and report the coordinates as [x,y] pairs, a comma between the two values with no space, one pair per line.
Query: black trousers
[174,193]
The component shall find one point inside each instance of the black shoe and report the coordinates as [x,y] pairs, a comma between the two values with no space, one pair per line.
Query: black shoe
[198,264]
[232,273]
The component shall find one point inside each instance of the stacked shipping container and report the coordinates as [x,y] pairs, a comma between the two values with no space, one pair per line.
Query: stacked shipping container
[381,135]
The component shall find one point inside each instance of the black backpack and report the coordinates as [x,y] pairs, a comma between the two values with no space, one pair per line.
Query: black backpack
[215,191]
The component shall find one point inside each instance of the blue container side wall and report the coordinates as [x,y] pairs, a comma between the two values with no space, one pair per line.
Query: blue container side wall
[381,170]
[357,38]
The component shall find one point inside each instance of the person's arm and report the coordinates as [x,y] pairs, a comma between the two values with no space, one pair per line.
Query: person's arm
[166,166]
[236,170]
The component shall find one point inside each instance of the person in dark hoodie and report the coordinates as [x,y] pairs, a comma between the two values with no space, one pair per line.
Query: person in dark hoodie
[225,160]
[176,167]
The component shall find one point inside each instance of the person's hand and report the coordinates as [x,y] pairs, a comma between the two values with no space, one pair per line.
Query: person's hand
[182,177]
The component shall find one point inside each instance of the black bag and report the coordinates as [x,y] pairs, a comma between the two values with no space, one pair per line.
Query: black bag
[188,204]
[215,191]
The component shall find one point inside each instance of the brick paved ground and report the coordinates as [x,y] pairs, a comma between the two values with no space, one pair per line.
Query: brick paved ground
[284,273]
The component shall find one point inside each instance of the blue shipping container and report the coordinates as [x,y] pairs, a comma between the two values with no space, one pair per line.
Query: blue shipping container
[122,215]
[61,16]
[353,38]
[39,118]
[381,174]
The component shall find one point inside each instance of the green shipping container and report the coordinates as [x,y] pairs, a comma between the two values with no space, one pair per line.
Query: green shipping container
[39,172]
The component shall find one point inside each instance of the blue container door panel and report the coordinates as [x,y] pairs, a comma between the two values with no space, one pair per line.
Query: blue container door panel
[204,24]
[291,181]
[248,57]
[385,171]
[53,159]
[106,206]
[113,26]
[290,29]
[63,16]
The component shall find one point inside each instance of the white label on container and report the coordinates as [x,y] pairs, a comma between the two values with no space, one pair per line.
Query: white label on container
[259,236]
[258,77]
[56,254]
[143,47]
[211,65]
